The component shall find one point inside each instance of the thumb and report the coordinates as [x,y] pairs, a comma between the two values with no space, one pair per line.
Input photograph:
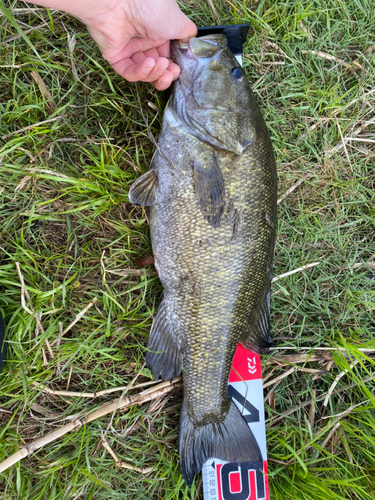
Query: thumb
[169,23]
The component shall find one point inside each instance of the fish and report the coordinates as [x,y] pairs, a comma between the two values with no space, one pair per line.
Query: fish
[211,195]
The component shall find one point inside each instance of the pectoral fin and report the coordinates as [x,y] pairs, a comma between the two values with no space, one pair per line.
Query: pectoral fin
[143,190]
[209,185]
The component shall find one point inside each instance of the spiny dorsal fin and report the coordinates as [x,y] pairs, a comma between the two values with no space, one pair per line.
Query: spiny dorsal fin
[143,190]
[209,185]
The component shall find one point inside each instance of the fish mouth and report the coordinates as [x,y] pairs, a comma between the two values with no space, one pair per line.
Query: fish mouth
[204,47]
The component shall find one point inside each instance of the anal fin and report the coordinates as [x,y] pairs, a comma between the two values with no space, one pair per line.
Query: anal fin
[164,357]
[143,190]
[258,337]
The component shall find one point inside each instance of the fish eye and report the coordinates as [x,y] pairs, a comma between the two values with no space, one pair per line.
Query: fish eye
[237,73]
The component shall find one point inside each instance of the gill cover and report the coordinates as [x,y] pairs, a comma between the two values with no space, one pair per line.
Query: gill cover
[210,98]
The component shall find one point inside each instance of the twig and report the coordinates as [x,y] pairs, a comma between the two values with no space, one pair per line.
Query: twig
[307,266]
[78,317]
[31,126]
[143,397]
[24,293]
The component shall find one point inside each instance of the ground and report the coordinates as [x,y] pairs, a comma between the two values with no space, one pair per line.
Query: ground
[73,137]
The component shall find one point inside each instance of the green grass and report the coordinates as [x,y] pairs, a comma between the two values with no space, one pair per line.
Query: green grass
[66,219]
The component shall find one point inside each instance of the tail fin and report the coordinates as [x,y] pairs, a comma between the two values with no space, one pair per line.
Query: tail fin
[229,439]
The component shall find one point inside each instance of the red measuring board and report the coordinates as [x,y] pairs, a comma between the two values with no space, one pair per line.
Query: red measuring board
[246,480]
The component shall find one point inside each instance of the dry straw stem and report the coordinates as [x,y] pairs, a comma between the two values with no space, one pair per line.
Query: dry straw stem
[123,465]
[300,358]
[38,124]
[340,349]
[357,131]
[78,317]
[92,395]
[77,423]
[292,188]
[132,272]
[307,266]
[285,413]
[44,89]
[280,377]
[213,10]
[335,382]
[25,293]
[330,57]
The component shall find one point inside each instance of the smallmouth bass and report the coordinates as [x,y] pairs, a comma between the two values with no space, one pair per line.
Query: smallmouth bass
[212,197]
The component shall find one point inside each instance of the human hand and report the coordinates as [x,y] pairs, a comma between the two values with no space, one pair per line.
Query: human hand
[133,35]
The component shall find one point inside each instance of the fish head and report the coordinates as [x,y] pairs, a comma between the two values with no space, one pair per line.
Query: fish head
[212,94]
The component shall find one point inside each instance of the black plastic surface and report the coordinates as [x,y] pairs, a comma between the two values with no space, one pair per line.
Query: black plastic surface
[235,33]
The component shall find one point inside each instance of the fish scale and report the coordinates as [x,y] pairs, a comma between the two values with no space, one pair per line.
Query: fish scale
[212,187]
[218,268]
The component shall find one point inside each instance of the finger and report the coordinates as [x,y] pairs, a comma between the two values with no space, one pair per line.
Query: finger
[161,65]
[132,46]
[164,49]
[133,72]
[164,81]
[139,57]
[154,53]
[174,69]
[162,27]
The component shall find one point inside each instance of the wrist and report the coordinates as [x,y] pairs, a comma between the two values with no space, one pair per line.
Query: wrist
[88,11]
